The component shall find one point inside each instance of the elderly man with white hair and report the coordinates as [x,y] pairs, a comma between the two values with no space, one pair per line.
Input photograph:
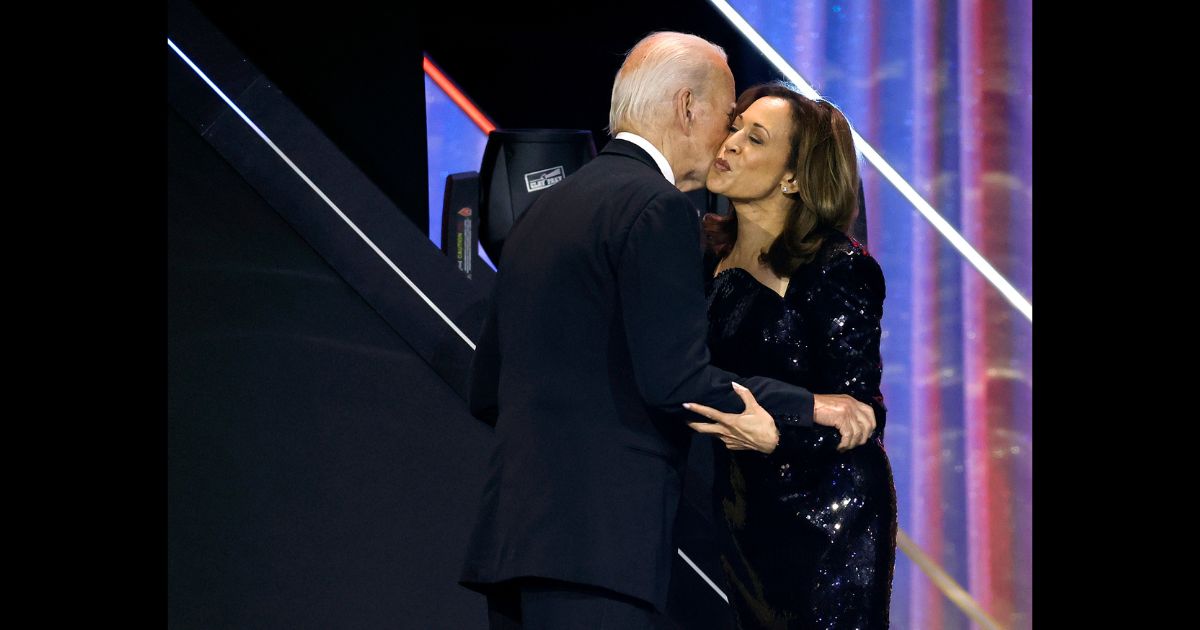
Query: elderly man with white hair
[595,338]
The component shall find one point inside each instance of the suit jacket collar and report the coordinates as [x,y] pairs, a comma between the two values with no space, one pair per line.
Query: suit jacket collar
[631,150]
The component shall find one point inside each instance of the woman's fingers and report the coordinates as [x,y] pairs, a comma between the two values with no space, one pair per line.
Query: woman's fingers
[735,442]
[708,412]
[726,426]
[722,433]
[735,445]
[711,428]
[746,396]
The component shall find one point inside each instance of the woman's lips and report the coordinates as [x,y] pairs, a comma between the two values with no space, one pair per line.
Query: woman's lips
[721,165]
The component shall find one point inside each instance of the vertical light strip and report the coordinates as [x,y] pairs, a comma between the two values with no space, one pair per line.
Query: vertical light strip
[945,583]
[1004,286]
[952,590]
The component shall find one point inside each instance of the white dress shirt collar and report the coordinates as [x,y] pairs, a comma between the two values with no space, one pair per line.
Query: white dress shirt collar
[645,145]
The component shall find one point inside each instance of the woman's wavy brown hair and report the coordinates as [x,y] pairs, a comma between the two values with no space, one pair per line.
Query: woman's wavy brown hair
[823,158]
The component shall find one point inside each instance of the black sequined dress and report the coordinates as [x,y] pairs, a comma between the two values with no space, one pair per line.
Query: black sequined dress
[808,538]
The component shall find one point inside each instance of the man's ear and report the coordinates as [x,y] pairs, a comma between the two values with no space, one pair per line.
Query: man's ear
[684,102]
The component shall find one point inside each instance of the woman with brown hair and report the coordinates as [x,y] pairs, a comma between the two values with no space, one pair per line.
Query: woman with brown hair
[808,531]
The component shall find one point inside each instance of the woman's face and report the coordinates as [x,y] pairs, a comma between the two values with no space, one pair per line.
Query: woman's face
[752,162]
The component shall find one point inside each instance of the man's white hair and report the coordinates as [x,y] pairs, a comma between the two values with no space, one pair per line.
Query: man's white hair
[654,70]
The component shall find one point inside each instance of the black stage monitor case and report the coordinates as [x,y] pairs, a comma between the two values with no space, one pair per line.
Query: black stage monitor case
[517,165]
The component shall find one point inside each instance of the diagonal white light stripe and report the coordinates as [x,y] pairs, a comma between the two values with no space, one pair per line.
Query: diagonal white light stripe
[320,193]
[939,223]
[368,241]
[697,570]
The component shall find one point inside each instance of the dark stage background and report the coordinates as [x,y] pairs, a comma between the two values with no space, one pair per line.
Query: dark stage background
[323,471]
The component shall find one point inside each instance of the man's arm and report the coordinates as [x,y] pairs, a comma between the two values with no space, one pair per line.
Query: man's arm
[664,312]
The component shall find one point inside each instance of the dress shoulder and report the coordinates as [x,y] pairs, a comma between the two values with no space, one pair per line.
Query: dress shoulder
[843,259]
[839,245]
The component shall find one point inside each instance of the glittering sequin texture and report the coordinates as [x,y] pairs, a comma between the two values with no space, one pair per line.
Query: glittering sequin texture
[808,536]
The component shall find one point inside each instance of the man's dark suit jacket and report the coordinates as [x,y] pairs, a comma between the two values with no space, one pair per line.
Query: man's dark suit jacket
[595,337]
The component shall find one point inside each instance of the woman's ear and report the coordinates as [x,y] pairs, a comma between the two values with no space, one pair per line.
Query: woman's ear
[788,181]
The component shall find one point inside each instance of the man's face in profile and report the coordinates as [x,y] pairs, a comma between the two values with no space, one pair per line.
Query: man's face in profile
[712,116]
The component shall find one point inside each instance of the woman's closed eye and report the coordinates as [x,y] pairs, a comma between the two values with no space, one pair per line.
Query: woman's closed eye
[753,138]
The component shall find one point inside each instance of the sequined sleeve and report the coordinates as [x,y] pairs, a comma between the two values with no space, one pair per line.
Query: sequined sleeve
[799,442]
[846,309]
[850,299]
